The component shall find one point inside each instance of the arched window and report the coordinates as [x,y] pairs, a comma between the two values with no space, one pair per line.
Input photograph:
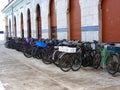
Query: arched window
[38,21]
[6,27]
[52,20]
[15,27]
[9,30]
[28,24]
[22,26]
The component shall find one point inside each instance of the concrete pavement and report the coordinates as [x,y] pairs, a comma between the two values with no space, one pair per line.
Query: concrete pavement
[20,73]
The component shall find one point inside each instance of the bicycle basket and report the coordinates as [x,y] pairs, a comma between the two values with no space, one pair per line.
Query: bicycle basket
[114,49]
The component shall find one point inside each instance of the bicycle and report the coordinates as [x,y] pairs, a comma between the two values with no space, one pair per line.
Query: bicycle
[86,54]
[28,48]
[108,59]
[47,52]
[69,61]
[69,58]
[113,62]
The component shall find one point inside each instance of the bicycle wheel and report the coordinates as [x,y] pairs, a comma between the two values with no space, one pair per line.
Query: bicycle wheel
[86,60]
[77,61]
[27,53]
[55,57]
[45,57]
[96,60]
[112,64]
[39,53]
[65,63]
[7,44]
[33,51]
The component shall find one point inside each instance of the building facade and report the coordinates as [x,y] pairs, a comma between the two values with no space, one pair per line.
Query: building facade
[61,19]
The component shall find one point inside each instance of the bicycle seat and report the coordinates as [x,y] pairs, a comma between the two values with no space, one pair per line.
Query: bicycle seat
[94,41]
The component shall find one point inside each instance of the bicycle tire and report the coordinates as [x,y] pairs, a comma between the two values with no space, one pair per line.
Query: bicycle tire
[33,51]
[39,53]
[27,53]
[77,62]
[112,64]
[86,60]
[45,56]
[6,44]
[65,63]
[55,57]
[96,60]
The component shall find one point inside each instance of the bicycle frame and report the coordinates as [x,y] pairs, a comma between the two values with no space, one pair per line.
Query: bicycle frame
[104,55]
